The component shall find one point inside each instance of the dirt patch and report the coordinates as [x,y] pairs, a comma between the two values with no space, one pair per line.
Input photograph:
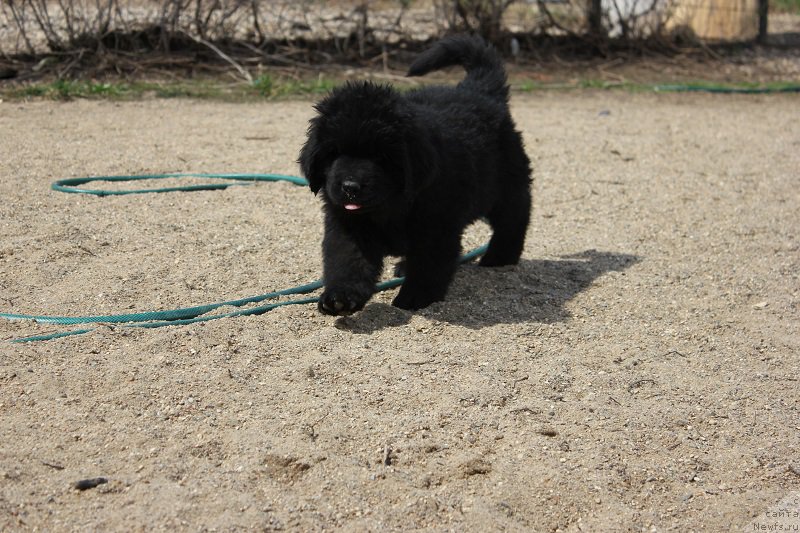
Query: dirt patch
[637,371]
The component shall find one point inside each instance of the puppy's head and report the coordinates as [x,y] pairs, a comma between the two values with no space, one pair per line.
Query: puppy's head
[365,148]
[359,184]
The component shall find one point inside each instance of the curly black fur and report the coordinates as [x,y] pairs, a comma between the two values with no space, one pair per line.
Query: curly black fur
[404,174]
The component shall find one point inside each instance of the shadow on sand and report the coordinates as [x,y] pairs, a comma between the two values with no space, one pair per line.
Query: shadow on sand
[532,291]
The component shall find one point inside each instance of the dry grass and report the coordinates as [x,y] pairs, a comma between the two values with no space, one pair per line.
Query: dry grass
[57,26]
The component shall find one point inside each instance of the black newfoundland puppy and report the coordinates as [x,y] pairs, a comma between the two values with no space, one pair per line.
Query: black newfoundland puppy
[404,174]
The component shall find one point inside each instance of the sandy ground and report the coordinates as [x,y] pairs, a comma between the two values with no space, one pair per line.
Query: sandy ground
[637,371]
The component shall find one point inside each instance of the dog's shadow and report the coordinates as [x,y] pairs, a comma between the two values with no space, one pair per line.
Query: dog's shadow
[532,291]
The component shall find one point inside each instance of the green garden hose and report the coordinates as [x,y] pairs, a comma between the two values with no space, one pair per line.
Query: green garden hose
[186,315]
[70,185]
[723,89]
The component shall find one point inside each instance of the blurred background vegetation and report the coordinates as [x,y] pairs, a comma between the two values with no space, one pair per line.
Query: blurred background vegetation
[253,39]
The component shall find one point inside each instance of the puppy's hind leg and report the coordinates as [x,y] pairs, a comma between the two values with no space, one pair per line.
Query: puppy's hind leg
[509,220]
[430,265]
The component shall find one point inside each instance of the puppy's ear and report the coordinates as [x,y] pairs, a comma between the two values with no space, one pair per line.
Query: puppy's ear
[313,160]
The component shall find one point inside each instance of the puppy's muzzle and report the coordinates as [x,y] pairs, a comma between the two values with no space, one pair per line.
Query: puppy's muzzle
[351,190]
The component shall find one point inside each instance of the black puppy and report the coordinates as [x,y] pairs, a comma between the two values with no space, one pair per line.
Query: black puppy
[404,174]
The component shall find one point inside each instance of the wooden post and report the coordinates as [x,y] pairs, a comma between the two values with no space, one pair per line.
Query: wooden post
[763,8]
[595,16]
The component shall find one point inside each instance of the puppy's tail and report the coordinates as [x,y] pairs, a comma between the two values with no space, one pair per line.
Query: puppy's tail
[485,72]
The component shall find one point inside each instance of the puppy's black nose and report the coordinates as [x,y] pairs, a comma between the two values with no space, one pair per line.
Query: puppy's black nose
[351,187]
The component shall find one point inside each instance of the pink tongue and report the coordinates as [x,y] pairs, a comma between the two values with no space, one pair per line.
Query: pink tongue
[352,207]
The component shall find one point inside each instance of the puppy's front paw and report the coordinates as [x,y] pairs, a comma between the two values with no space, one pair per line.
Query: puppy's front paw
[340,302]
